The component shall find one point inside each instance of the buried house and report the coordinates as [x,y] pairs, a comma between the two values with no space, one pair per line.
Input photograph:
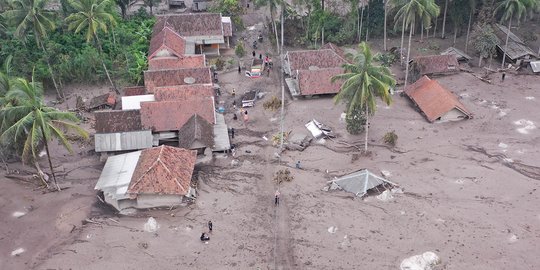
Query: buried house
[361,182]
[155,177]
[435,102]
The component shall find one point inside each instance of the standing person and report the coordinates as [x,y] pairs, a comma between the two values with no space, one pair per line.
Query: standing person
[253,53]
[246,118]
[210,225]
[233,92]
[260,56]
[239,69]
[298,165]
[232,133]
[276,199]
[503,76]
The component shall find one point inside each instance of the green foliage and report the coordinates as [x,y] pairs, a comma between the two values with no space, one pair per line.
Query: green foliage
[219,63]
[386,59]
[356,121]
[232,8]
[390,138]
[484,41]
[239,50]
[125,48]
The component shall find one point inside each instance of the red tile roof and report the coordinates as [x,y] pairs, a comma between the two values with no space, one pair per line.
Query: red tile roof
[183,92]
[117,121]
[316,82]
[172,77]
[196,130]
[185,61]
[169,40]
[191,25]
[134,91]
[172,115]
[163,170]
[335,48]
[435,64]
[325,58]
[433,100]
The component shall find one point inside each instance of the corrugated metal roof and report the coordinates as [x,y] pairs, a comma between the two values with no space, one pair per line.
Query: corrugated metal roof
[116,175]
[134,102]
[122,141]
[221,134]
[360,182]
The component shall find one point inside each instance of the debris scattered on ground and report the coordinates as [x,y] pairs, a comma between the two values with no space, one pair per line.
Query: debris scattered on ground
[319,130]
[276,138]
[151,225]
[17,252]
[283,176]
[513,238]
[332,229]
[385,196]
[298,142]
[426,261]
[273,104]
[264,138]
[18,214]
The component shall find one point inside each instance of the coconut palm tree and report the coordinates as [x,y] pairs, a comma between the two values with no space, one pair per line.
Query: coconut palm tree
[92,16]
[362,83]
[32,16]
[511,9]
[472,7]
[272,5]
[6,81]
[421,10]
[397,4]
[28,121]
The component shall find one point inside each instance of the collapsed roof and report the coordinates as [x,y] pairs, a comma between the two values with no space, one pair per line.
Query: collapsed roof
[360,182]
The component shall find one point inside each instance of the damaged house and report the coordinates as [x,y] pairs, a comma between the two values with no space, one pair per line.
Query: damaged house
[155,177]
[120,131]
[433,65]
[435,102]
[310,71]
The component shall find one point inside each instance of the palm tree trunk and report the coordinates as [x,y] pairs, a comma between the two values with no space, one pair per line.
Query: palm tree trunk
[358,33]
[367,130]
[322,35]
[385,15]
[444,19]
[361,23]
[367,23]
[58,92]
[104,66]
[402,38]
[408,56]
[468,30]
[41,174]
[506,42]
[422,32]
[275,31]
[455,35]
[282,25]
[49,158]
[435,29]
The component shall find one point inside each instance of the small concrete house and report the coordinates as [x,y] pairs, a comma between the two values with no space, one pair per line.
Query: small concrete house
[168,50]
[435,102]
[155,177]
[310,71]
[208,32]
